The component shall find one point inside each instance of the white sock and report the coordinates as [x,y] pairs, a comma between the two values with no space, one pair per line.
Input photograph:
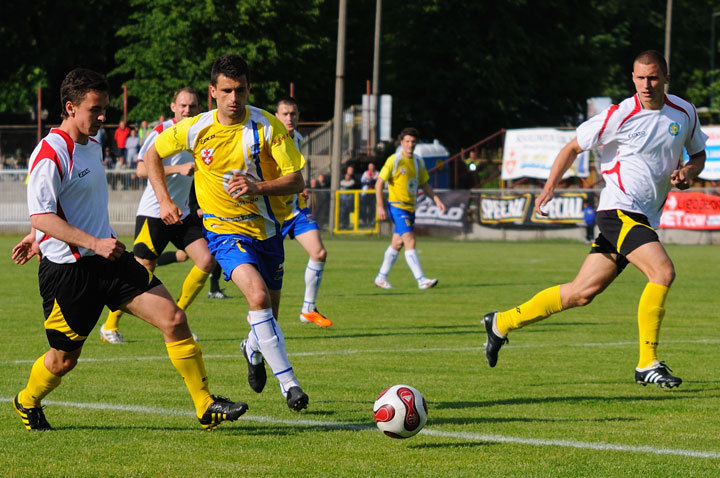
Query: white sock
[272,345]
[252,349]
[413,261]
[313,278]
[391,256]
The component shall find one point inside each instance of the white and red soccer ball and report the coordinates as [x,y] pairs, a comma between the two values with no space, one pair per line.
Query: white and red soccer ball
[400,411]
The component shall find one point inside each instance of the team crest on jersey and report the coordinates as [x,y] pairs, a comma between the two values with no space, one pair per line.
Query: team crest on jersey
[207,155]
[403,171]
[674,129]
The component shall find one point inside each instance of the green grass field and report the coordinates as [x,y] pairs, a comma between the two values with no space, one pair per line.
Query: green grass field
[561,402]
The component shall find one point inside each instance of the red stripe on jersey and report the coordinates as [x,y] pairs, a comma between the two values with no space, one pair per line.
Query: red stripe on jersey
[636,110]
[673,105]
[695,123]
[611,110]
[68,142]
[47,152]
[616,170]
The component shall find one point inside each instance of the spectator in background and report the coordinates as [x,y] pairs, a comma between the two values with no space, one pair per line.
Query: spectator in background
[321,182]
[320,199]
[589,215]
[143,131]
[132,146]
[102,137]
[367,200]
[121,134]
[347,201]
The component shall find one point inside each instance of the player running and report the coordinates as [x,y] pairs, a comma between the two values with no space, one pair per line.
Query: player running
[151,234]
[246,167]
[301,226]
[642,141]
[404,172]
[84,267]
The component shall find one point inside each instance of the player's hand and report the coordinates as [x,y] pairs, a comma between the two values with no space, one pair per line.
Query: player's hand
[679,179]
[305,194]
[170,213]
[109,248]
[543,198]
[241,185]
[440,204]
[381,213]
[186,169]
[25,250]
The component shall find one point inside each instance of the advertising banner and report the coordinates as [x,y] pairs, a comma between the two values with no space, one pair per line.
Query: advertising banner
[516,210]
[698,211]
[712,149]
[531,152]
[456,201]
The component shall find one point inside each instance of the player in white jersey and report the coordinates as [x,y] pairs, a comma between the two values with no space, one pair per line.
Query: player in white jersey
[84,267]
[301,226]
[151,234]
[642,141]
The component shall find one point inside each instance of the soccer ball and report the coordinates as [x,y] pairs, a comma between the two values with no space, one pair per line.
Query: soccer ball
[400,411]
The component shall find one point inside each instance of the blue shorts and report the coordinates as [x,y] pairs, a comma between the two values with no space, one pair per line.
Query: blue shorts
[403,220]
[302,222]
[232,250]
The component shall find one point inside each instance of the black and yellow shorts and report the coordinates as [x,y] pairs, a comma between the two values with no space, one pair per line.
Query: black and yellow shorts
[74,294]
[152,235]
[622,232]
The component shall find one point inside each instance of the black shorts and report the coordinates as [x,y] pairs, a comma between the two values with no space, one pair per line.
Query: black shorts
[622,232]
[74,294]
[152,235]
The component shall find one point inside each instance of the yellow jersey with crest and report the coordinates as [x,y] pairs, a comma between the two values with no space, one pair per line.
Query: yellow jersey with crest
[404,176]
[259,148]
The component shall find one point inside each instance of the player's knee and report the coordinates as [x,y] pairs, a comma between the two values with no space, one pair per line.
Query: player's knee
[320,255]
[258,298]
[206,263]
[62,365]
[583,297]
[665,276]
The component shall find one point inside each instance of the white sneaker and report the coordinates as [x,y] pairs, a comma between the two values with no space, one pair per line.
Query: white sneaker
[218,294]
[426,283]
[382,283]
[111,336]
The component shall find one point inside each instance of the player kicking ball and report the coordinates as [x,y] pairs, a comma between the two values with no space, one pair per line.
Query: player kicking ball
[642,142]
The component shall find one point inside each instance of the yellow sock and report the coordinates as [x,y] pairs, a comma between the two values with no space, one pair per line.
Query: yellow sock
[651,311]
[113,320]
[186,356]
[41,382]
[194,282]
[544,304]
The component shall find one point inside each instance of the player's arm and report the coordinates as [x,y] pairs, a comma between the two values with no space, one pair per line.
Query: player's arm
[26,249]
[428,190]
[170,213]
[562,163]
[53,225]
[380,199]
[682,177]
[185,169]
[292,183]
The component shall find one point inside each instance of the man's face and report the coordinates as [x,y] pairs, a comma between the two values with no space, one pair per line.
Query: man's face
[288,115]
[88,115]
[649,84]
[184,106]
[231,96]
[408,144]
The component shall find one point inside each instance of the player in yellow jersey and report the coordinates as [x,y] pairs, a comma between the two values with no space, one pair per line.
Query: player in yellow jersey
[246,168]
[403,172]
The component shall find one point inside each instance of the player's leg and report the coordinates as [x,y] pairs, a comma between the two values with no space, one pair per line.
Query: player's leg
[401,225]
[413,261]
[596,273]
[171,257]
[311,241]
[215,291]
[204,263]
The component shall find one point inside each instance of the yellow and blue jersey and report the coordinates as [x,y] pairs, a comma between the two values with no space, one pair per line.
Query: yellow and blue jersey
[259,148]
[404,176]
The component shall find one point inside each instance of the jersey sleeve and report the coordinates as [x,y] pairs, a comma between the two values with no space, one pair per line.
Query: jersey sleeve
[423,175]
[44,185]
[386,171]
[697,138]
[598,130]
[174,139]
[283,150]
[149,141]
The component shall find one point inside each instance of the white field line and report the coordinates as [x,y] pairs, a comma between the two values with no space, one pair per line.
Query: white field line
[599,446]
[377,351]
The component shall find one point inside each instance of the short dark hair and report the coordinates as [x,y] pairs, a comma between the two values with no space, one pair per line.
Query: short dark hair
[409,132]
[186,89]
[649,57]
[76,85]
[287,100]
[232,66]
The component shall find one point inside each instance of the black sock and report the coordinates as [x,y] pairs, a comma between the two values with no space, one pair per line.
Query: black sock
[167,258]
[215,278]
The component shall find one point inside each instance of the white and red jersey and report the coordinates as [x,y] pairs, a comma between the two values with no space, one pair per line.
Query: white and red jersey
[177,184]
[68,179]
[640,149]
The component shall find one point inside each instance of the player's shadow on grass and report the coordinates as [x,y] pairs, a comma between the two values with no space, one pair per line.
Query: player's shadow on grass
[569,400]
[479,420]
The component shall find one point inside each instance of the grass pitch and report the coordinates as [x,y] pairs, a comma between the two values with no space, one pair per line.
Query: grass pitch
[561,402]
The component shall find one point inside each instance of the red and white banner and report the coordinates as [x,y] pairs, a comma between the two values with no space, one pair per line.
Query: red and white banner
[697,211]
